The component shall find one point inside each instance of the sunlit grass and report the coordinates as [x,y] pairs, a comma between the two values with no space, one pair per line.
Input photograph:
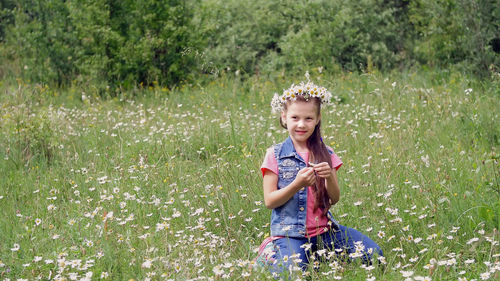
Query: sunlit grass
[168,186]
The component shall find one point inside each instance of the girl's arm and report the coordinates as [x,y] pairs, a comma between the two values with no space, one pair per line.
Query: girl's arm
[274,197]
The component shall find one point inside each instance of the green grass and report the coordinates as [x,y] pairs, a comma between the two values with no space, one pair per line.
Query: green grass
[167,185]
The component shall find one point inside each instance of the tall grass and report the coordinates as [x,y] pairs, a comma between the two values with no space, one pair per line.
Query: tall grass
[167,185]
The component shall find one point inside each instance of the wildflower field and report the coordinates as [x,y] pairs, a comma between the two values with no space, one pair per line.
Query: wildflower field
[166,185]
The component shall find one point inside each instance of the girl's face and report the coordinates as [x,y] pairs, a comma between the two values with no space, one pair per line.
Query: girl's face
[301,118]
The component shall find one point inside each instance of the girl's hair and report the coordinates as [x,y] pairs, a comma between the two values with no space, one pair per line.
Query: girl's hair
[317,153]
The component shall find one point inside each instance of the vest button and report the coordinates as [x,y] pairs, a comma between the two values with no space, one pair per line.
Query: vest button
[302,189]
[301,209]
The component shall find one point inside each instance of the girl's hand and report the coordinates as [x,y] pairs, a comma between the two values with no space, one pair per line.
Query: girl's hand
[322,169]
[305,177]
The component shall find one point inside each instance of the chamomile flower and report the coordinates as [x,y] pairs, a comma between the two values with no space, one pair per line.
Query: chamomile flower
[307,90]
[15,248]
[472,240]
[89,243]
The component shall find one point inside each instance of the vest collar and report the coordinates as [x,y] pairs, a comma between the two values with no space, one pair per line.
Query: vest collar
[288,150]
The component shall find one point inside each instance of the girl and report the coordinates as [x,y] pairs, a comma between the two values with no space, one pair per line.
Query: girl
[300,185]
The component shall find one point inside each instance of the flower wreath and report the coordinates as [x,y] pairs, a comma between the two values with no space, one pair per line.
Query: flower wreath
[307,90]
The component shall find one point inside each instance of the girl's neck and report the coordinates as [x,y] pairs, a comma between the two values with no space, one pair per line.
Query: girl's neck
[300,147]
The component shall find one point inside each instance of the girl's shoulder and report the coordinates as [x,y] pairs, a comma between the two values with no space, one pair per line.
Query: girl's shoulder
[273,150]
[330,150]
[336,161]
[275,147]
[270,150]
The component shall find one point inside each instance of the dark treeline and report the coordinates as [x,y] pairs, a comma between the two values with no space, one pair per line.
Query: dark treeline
[125,43]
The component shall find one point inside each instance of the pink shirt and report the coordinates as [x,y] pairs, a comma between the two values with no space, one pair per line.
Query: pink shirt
[316,222]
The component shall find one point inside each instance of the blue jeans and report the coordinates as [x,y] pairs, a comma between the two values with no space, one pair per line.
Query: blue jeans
[346,242]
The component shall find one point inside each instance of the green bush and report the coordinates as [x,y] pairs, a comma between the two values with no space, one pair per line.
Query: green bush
[102,43]
[346,34]
[6,17]
[111,44]
[296,35]
[451,32]
[239,34]
[43,42]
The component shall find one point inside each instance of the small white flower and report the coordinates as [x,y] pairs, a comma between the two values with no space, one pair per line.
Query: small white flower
[472,240]
[426,161]
[422,278]
[469,261]
[423,250]
[218,270]
[15,248]
[147,263]
[406,273]
[485,275]
[306,246]
[109,215]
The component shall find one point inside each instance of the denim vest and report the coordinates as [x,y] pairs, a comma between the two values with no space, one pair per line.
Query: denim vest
[289,219]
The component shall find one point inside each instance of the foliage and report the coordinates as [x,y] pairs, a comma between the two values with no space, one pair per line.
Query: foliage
[107,45]
[457,31]
[329,32]
[101,43]
[295,35]
[6,17]
[240,33]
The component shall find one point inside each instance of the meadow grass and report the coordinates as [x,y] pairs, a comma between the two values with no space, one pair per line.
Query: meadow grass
[167,186]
